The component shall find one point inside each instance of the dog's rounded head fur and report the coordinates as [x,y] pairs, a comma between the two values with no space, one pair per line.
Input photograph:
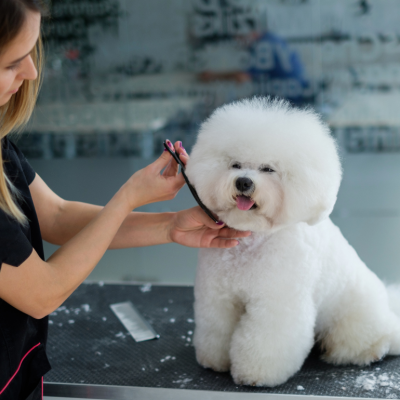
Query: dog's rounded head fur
[261,164]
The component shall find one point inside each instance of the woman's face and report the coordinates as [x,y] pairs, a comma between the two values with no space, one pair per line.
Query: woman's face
[16,63]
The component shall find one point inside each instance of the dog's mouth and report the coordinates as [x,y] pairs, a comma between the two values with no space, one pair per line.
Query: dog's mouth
[245,203]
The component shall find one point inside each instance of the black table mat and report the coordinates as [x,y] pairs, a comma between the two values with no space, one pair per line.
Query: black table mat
[88,345]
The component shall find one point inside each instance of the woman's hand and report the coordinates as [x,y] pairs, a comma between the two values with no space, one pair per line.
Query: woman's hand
[194,228]
[149,185]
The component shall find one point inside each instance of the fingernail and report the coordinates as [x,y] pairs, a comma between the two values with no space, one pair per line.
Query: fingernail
[165,149]
[169,144]
[220,223]
[180,145]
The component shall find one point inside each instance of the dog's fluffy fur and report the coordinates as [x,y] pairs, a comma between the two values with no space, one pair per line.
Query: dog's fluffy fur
[260,306]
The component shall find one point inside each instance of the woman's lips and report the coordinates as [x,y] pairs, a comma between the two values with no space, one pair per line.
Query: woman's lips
[15,90]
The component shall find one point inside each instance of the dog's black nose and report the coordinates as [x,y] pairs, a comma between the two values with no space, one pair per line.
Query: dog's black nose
[244,184]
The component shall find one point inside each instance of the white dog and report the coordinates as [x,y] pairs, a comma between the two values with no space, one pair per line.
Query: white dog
[264,166]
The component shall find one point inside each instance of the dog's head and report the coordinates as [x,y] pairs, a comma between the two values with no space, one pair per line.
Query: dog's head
[261,164]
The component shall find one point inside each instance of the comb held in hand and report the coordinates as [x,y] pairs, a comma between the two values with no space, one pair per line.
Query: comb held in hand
[191,187]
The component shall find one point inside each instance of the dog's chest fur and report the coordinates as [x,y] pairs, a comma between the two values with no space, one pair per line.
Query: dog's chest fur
[263,260]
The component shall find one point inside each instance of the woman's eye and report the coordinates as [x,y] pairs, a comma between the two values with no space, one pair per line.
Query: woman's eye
[13,67]
[267,169]
[237,166]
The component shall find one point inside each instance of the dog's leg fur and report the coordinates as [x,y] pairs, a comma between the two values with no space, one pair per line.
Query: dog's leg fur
[272,341]
[365,330]
[216,318]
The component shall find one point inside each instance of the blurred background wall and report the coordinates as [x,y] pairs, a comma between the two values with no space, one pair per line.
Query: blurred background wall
[123,75]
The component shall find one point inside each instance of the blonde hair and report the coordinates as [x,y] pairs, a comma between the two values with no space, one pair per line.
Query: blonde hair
[16,112]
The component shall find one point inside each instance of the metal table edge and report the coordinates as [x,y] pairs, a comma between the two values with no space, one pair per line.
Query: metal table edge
[137,283]
[106,392]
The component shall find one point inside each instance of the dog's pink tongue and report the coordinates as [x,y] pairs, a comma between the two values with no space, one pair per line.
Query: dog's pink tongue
[244,203]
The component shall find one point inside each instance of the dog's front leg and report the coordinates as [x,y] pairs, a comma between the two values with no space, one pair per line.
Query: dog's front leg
[272,340]
[216,317]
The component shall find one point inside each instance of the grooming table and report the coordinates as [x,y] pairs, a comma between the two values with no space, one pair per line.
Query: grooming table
[94,357]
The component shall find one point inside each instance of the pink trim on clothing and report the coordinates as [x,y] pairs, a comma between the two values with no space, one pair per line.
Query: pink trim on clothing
[19,366]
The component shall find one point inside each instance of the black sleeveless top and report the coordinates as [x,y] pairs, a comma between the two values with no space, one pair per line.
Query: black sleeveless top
[23,360]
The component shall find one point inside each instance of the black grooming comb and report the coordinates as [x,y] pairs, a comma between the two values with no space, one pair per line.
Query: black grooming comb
[191,187]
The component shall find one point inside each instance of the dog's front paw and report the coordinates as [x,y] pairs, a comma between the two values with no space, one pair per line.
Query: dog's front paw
[256,377]
[215,360]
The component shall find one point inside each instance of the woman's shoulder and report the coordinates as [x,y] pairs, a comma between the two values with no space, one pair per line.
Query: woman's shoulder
[9,149]
[4,143]
[15,160]
[9,146]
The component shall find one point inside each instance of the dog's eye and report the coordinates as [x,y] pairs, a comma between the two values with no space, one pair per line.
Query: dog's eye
[267,169]
[237,166]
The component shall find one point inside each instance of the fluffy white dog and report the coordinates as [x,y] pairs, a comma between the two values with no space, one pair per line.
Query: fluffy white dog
[264,166]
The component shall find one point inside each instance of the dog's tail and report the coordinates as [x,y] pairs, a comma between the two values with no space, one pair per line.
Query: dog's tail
[394,298]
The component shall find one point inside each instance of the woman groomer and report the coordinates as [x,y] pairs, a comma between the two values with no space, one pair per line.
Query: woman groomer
[31,288]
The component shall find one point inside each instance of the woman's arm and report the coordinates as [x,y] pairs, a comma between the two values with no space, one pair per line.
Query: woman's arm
[60,220]
[37,287]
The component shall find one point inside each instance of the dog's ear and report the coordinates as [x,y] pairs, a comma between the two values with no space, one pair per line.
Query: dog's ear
[310,211]
[324,187]
[320,212]
[309,195]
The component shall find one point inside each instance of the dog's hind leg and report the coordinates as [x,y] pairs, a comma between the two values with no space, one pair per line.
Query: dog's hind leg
[364,331]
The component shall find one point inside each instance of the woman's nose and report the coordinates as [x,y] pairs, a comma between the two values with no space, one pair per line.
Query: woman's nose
[28,70]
